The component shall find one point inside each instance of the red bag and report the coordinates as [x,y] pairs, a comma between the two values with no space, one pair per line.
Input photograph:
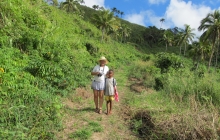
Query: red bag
[116,94]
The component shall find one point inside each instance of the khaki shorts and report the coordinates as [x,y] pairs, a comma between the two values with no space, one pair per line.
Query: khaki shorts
[110,98]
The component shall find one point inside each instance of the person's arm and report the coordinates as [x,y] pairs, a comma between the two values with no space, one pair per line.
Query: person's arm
[107,74]
[107,70]
[115,83]
[94,73]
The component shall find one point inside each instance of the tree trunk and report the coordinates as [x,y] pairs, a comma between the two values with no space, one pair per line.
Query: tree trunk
[121,37]
[68,9]
[185,50]
[197,66]
[197,62]
[103,31]
[180,49]
[216,57]
[210,59]
[166,47]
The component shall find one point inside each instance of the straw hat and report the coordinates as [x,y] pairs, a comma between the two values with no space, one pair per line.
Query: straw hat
[103,58]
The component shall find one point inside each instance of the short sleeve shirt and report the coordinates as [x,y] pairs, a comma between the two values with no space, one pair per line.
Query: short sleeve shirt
[109,86]
[102,70]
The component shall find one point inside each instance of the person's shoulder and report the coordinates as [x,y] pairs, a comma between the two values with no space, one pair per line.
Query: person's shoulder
[111,79]
[96,66]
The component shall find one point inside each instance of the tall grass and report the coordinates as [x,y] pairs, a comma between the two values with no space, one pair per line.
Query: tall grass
[46,53]
[183,102]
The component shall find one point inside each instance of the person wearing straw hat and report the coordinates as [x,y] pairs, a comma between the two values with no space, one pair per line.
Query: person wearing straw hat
[98,84]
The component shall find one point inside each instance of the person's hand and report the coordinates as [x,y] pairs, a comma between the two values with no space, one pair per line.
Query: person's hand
[95,73]
[107,74]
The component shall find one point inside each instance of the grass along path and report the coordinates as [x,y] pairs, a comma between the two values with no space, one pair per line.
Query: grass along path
[81,122]
[150,114]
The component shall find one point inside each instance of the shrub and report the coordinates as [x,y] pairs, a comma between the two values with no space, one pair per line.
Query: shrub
[165,61]
[27,112]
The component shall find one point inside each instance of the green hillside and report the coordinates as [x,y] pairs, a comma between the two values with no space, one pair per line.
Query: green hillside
[143,38]
[48,53]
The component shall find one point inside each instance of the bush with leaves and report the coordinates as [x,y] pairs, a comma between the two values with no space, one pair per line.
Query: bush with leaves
[26,111]
[165,61]
[44,55]
[22,27]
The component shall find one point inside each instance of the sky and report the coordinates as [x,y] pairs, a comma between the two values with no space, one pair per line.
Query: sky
[149,12]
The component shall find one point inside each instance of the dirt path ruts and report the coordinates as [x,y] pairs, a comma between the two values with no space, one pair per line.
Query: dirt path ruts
[79,110]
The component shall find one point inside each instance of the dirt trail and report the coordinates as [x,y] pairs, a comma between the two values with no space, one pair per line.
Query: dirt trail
[79,112]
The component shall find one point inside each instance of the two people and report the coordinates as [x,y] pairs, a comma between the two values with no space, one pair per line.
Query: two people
[103,82]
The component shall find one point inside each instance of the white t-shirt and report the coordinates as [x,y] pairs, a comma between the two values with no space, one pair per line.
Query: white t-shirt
[110,83]
[102,70]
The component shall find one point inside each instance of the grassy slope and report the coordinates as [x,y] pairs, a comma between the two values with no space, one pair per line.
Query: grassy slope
[141,113]
[34,80]
[46,54]
[168,118]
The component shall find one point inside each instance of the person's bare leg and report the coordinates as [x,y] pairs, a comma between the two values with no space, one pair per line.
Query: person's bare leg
[110,109]
[101,92]
[107,106]
[96,99]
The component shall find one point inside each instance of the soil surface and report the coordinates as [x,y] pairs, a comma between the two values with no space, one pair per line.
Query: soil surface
[79,110]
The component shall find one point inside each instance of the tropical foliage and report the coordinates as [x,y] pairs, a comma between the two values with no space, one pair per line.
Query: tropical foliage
[211,25]
[45,54]
[104,20]
[48,51]
[71,5]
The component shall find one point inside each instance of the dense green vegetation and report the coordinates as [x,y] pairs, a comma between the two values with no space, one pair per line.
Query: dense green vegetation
[45,53]
[48,51]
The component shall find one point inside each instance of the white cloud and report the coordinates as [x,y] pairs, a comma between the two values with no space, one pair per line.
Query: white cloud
[155,20]
[156,1]
[177,14]
[136,18]
[90,3]
[147,18]
[180,12]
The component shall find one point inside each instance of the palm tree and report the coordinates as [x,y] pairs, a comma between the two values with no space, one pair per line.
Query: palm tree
[114,9]
[211,25]
[81,1]
[95,7]
[199,51]
[122,13]
[104,20]
[178,38]
[124,31]
[54,2]
[118,12]
[101,8]
[127,32]
[71,5]
[162,20]
[114,30]
[186,37]
[168,38]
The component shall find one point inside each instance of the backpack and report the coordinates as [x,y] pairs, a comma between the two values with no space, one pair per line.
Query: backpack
[114,84]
